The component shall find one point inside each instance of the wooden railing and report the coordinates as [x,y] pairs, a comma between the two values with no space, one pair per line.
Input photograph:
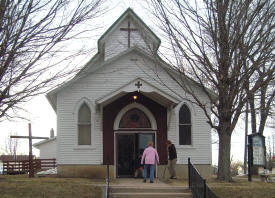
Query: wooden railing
[197,184]
[22,167]
[44,164]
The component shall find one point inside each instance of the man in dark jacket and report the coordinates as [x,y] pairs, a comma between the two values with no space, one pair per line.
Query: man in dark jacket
[172,159]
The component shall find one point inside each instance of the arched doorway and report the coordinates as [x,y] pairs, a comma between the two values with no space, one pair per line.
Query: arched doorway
[135,125]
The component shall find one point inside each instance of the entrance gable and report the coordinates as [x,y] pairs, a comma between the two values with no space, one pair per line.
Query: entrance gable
[147,89]
[110,115]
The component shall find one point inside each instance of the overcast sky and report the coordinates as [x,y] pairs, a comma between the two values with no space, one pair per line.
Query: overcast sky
[43,117]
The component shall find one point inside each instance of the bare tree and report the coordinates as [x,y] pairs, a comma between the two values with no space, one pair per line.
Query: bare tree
[34,36]
[270,145]
[235,166]
[11,145]
[261,111]
[221,45]
[261,104]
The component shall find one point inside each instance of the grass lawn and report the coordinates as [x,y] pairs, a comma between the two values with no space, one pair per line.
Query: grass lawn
[241,188]
[12,186]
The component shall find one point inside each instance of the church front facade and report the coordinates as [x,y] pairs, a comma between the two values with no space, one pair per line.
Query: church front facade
[119,101]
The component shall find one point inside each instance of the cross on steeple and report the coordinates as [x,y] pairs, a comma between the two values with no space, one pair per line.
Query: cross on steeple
[138,84]
[128,29]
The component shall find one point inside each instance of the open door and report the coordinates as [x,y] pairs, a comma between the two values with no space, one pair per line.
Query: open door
[129,148]
[125,155]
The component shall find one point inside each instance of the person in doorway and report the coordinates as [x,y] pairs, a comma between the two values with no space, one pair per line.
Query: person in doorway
[138,166]
[172,159]
[149,158]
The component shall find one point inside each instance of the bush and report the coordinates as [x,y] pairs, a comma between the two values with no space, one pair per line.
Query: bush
[235,167]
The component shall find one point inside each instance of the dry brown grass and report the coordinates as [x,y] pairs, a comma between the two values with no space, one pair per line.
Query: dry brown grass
[241,188]
[22,186]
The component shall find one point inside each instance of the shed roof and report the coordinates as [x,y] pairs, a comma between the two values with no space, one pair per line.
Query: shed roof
[36,145]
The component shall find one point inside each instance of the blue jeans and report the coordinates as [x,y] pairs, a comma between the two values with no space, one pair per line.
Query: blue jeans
[152,171]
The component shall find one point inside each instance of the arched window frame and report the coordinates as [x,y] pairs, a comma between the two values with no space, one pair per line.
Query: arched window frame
[140,107]
[125,122]
[76,115]
[192,112]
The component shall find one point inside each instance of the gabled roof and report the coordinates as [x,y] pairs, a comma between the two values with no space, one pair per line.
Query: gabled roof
[51,96]
[146,89]
[97,61]
[36,145]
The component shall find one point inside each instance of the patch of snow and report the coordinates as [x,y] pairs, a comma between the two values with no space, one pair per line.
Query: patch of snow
[241,175]
[52,171]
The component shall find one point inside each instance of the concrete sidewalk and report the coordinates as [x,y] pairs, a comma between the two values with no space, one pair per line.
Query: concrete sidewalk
[139,182]
[135,188]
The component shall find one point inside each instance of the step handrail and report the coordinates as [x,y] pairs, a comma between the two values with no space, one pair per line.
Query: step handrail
[108,181]
[197,184]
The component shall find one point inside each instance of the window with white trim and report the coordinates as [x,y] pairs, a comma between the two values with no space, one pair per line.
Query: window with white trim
[185,126]
[84,125]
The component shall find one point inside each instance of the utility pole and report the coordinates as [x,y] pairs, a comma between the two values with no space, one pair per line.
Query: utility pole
[249,157]
[273,143]
[245,139]
[30,137]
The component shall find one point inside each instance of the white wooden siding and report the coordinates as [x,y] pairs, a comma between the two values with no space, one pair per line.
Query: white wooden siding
[107,79]
[117,42]
[48,150]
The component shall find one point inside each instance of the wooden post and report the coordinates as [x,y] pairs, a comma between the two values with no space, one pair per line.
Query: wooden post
[30,137]
[31,171]
[245,140]
[8,167]
[249,157]
[204,188]
[189,173]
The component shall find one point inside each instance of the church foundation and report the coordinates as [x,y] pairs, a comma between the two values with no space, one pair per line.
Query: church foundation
[205,171]
[99,171]
[84,171]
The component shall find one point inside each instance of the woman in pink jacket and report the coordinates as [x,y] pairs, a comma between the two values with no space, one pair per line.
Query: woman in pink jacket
[151,157]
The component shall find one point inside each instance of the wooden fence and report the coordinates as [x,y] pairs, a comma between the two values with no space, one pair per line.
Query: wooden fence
[22,167]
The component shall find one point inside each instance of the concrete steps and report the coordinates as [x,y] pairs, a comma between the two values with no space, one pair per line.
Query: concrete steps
[149,192]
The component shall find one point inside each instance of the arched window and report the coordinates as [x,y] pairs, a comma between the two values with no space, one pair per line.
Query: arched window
[134,118]
[184,126]
[84,125]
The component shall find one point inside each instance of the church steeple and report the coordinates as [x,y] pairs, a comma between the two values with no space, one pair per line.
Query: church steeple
[127,31]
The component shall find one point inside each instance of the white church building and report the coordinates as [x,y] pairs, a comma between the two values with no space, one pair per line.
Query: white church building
[121,99]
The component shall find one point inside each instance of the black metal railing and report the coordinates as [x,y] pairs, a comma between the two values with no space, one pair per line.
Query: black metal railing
[107,182]
[197,184]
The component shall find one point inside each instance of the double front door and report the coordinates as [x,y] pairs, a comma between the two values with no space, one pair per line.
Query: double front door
[129,149]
